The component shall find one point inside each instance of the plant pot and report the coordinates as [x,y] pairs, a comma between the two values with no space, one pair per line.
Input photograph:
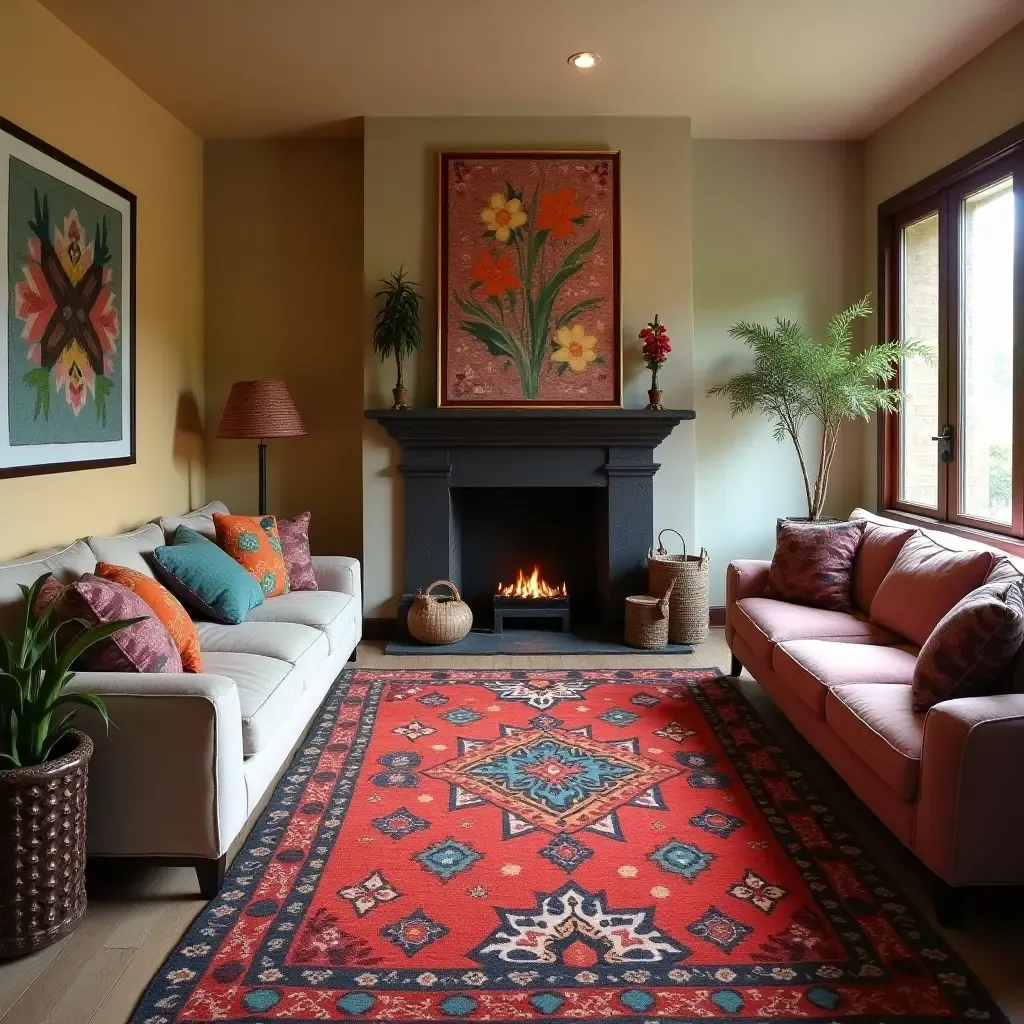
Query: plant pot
[779,523]
[401,398]
[654,398]
[42,850]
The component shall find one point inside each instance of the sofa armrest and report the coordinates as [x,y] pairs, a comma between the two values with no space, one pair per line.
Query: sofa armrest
[167,780]
[969,830]
[341,574]
[745,577]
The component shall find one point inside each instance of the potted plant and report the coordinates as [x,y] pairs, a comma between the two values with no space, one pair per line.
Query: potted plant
[796,379]
[656,348]
[44,765]
[396,331]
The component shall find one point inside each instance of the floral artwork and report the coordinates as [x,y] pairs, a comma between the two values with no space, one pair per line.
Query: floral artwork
[68,329]
[529,297]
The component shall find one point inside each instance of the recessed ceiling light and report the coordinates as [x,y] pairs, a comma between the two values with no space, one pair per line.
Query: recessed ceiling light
[584,60]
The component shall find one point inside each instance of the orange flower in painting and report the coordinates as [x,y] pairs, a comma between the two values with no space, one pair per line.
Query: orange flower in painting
[557,212]
[496,275]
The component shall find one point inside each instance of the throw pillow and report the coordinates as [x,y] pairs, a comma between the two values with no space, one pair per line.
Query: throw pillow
[164,605]
[878,550]
[294,533]
[255,545]
[144,646]
[972,647]
[925,581]
[813,563]
[207,579]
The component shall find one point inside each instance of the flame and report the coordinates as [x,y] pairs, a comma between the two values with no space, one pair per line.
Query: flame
[531,586]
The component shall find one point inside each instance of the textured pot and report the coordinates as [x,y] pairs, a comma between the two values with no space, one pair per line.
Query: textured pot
[401,398]
[42,850]
[654,398]
[779,523]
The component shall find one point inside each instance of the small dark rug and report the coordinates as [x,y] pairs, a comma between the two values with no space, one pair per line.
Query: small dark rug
[528,641]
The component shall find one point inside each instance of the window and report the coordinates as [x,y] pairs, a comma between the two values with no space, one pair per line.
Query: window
[952,276]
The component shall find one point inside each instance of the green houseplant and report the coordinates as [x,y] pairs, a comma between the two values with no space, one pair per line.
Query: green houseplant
[43,773]
[396,331]
[796,379]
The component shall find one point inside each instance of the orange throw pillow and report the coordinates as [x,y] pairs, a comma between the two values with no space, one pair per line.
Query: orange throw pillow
[166,608]
[255,545]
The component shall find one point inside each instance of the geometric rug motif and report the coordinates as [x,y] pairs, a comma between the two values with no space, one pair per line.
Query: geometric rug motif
[620,845]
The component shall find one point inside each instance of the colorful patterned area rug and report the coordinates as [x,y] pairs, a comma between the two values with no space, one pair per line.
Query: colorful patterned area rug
[507,846]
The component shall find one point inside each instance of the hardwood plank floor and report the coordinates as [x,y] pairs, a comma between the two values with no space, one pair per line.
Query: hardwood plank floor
[97,975]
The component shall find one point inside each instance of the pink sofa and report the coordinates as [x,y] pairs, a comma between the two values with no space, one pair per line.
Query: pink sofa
[946,782]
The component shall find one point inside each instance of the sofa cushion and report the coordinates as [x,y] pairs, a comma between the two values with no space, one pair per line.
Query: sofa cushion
[763,622]
[200,520]
[268,691]
[878,550]
[324,609]
[132,550]
[66,565]
[304,647]
[810,668]
[254,543]
[813,563]
[925,581]
[877,722]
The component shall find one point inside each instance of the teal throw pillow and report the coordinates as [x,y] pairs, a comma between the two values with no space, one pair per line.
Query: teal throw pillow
[204,577]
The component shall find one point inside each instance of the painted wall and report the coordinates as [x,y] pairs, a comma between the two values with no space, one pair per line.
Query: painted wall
[284,248]
[975,104]
[776,232]
[400,227]
[55,86]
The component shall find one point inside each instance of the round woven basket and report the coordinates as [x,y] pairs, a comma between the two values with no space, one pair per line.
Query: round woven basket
[42,850]
[647,620]
[688,614]
[444,620]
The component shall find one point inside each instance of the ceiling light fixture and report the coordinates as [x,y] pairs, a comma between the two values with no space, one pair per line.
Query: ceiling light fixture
[585,60]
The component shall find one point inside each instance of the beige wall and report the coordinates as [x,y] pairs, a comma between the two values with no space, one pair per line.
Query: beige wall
[776,232]
[55,86]
[400,222]
[977,103]
[283,288]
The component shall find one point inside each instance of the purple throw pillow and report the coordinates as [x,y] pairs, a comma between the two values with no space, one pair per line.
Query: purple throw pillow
[298,562]
[972,647]
[145,646]
[813,564]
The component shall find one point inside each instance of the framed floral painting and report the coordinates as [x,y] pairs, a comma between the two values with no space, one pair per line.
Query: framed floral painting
[67,276]
[529,309]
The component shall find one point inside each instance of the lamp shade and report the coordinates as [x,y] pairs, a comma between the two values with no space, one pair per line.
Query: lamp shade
[260,408]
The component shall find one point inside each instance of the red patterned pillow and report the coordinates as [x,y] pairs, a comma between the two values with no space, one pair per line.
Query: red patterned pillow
[972,647]
[813,563]
[294,533]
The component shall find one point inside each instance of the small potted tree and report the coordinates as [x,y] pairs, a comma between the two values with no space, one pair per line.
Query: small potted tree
[44,765]
[396,331]
[796,380]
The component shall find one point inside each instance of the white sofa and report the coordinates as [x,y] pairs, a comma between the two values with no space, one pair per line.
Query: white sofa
[192,755]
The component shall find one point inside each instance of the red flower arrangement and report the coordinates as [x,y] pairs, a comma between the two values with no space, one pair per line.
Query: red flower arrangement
[656,349]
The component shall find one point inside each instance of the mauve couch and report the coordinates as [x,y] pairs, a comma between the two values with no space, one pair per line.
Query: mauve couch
[946,781]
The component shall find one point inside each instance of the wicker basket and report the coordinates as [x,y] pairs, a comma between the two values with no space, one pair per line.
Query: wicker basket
[443,620]
[42,850]
[688,617]
[647,620]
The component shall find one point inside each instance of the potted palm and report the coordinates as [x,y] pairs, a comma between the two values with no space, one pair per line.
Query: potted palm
[796,380]
[44,764]
[396,331]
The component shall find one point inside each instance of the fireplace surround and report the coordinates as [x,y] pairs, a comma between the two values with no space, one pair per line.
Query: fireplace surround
[589,471]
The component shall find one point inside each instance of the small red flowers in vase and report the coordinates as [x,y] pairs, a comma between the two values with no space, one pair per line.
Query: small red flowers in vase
[656,350]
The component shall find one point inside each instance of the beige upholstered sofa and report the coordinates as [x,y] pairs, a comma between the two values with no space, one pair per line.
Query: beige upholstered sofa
[192,755]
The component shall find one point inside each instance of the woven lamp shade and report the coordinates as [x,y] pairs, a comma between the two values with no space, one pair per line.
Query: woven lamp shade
[260,408]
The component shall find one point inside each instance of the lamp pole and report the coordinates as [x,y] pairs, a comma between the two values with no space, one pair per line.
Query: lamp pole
[263,477]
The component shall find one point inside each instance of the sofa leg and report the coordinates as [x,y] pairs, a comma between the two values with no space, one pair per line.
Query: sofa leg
[735,668]
[211,876]
[950,903]
[352,657]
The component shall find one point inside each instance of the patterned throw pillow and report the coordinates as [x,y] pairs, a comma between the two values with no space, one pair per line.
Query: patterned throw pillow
[972,647]
[255,545]
[813,564]
[164,605]
[294,534]
[145,646]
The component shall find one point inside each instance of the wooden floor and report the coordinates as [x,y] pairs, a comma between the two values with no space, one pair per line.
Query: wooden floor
[134,920]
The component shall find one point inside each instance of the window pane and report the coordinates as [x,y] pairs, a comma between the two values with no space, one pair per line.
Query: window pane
[986,353]
[919,321]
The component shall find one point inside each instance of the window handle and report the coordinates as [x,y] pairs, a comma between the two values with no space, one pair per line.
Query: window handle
[946,439]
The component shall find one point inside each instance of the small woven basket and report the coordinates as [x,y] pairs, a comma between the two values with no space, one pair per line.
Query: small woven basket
[647,620]
[444,620]
[688,614]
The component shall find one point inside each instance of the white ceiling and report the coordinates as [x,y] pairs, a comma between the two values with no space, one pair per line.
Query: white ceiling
[739,68]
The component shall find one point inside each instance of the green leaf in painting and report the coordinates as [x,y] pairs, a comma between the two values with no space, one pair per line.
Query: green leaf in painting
[104,385]
[582,250]
[560,368]
[598,360]
[498,341]
[39,378]
[578,310]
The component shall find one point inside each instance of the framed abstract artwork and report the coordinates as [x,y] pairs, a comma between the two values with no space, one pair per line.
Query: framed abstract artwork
[67,280]
[528,291]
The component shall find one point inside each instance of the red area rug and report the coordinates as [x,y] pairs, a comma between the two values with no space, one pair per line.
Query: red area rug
[504,846]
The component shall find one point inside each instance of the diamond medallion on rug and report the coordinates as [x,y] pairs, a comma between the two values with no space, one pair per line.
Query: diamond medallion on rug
[623,845]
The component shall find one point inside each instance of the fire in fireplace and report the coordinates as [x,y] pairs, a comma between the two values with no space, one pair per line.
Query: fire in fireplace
[531,587]
[531,598]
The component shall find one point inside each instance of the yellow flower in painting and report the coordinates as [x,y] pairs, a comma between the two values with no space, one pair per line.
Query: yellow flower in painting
[575,347]
[502,216]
